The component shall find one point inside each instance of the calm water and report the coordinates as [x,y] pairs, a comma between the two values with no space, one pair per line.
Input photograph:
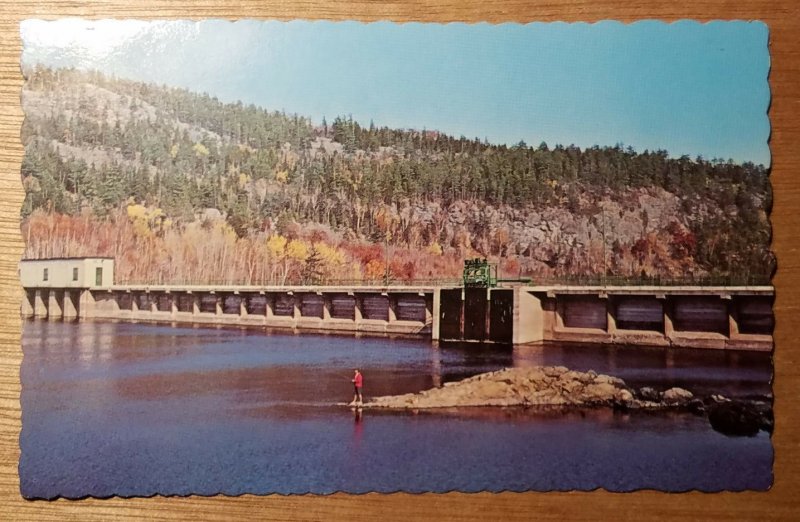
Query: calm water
[124,409]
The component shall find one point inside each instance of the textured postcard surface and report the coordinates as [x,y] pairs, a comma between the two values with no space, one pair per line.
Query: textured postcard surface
[292,257]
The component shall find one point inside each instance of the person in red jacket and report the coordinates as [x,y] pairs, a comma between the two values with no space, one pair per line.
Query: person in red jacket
[358,381]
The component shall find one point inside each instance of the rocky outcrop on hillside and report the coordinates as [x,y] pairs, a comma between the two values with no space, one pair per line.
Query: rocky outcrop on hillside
[104,107]
[603,228]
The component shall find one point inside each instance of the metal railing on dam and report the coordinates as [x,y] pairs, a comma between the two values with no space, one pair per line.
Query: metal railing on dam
[719,317]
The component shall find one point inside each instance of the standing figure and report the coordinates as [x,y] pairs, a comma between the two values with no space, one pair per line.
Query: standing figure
[357,381]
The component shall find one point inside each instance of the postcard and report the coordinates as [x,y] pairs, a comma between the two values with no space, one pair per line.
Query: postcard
[314,257]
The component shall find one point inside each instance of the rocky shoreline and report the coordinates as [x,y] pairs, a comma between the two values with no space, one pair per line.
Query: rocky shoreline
[560,386]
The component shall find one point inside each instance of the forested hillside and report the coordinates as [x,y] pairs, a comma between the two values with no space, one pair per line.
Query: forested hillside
[178,186]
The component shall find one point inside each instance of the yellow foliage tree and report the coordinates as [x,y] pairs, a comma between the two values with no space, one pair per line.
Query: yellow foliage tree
[297,250]
[147,222]
[136,211]
[330,255]
[331,258]
[200,149]
[435,249]
[355,272]
[276,247]
[276,254]
[225,231]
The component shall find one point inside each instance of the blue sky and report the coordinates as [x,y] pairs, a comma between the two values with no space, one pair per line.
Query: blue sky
[689,88]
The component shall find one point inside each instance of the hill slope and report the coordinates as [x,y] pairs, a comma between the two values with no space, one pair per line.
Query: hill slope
[280,200]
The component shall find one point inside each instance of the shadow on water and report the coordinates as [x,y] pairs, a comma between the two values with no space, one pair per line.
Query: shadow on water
[734,373]
[459,360]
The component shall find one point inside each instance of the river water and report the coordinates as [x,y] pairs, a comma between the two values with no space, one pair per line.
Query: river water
[136,410]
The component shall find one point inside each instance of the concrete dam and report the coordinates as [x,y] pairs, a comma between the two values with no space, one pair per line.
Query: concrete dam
[720,317]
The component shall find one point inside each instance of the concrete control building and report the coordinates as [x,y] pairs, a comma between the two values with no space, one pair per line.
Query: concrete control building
[61,288]
[67,272]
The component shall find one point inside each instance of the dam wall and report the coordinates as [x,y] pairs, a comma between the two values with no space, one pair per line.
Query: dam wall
[692,317]
[406,310]
[735,318]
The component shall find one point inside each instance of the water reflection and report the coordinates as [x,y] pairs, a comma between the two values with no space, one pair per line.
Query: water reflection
[436,365]
[358,430]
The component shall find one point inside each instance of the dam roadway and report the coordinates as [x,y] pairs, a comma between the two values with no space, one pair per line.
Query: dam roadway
[714,317]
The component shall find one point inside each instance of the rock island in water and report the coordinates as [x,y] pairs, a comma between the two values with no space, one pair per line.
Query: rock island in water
[559,386]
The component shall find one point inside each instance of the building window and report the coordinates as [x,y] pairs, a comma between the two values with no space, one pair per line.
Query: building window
[44,275]
[98,276]
[75,274]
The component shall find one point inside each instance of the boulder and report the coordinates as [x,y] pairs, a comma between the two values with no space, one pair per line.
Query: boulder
[607,379]
[696,406]
[599,392]
[554,371]
[738,418]
[649,394]
[624,396]
[767,418]
[571,387]
[211,214]
[535,375]
[677,396]
[587,377]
